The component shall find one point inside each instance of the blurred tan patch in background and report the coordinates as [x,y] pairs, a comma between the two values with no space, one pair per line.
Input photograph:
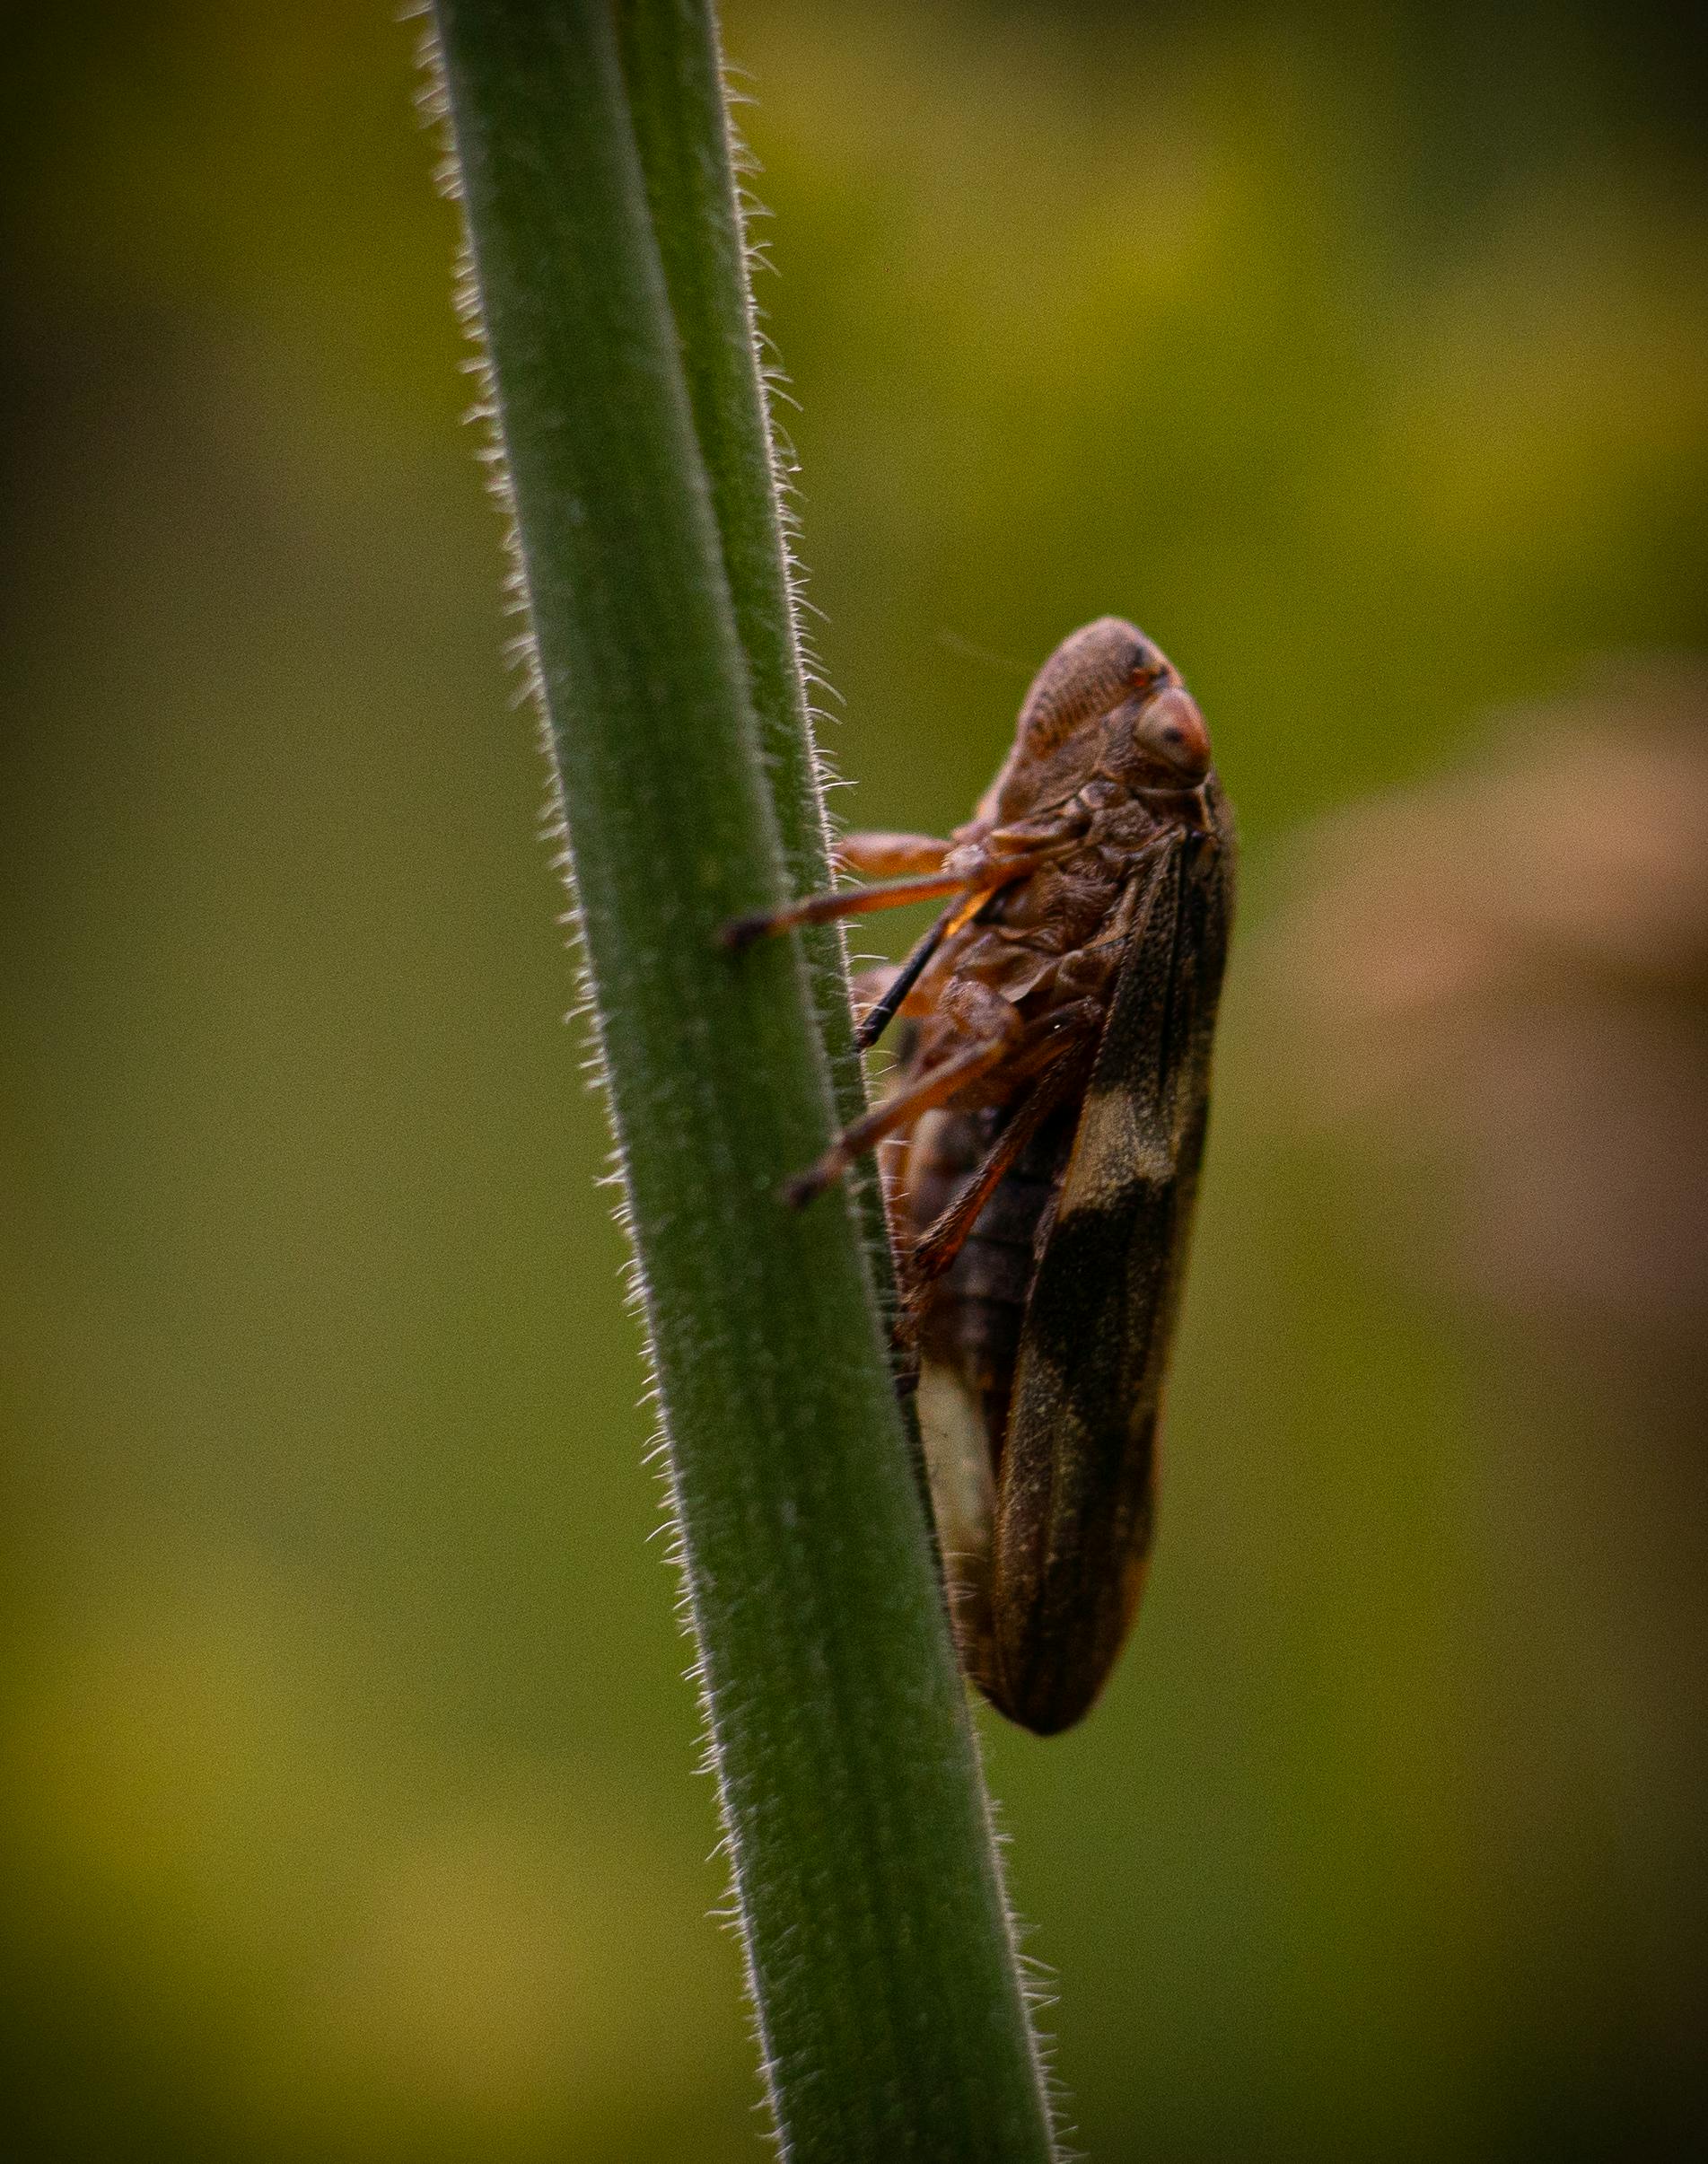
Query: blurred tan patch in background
[1503,975]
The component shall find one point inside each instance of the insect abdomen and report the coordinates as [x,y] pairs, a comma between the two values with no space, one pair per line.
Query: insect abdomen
[970,1336]
[974,1319]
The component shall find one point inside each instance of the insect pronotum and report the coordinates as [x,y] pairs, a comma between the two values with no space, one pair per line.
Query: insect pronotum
[1048,1113]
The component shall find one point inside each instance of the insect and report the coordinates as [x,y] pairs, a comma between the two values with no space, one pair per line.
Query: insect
[1047,1119]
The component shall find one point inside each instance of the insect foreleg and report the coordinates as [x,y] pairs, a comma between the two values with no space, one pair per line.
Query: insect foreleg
[972,877]
[887,856]
[842,901]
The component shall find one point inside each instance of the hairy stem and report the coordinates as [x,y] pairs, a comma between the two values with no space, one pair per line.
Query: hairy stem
[592,152]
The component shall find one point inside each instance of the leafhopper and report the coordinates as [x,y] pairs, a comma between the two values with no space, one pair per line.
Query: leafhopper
[1046,1124]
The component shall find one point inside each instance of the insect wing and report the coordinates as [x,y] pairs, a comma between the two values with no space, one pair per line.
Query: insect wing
[1077,1478]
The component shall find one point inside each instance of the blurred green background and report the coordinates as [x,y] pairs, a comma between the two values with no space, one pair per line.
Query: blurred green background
[349,1808]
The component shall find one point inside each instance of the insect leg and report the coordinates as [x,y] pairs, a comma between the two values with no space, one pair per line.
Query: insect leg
[981,877]
[937,1247]
[885,856]
[933,1087]
[843,901]
[999,1038]
[885,1008]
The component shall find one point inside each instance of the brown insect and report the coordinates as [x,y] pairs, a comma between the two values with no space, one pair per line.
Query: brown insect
[1049,1105]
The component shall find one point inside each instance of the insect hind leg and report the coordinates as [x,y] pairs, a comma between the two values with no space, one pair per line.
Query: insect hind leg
[991,1031]
[934,1250]
[998,1038]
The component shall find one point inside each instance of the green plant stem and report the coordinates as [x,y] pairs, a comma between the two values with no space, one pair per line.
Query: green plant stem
[890,2012]
[671,65]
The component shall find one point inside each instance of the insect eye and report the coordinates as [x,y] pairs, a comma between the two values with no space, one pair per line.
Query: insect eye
[1172,728]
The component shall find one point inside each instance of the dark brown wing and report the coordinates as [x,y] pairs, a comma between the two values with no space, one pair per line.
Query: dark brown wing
[1076,1489]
